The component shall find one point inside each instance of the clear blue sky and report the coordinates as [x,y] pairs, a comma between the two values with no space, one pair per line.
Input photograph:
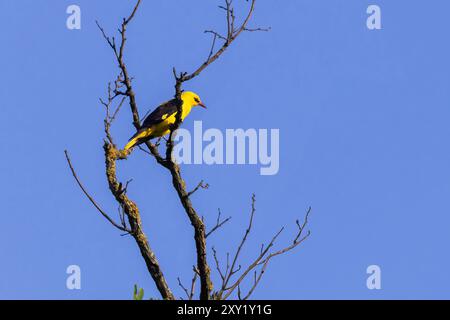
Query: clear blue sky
[363,118]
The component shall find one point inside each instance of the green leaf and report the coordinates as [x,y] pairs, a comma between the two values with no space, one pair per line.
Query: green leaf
[138,294]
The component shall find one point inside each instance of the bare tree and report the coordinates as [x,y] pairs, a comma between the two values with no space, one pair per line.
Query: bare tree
[119,92]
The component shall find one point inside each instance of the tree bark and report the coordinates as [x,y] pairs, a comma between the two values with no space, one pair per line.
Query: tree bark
[132,212]
[206,285]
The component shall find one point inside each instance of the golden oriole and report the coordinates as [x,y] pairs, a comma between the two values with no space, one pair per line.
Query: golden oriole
[158,123]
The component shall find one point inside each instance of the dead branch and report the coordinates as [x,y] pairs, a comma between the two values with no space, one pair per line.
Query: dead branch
[199,231]
[134,219]
[180,284]
[189,293]
[219,224]
[193,281]
[200,185]
[118,52]
[216,260]
[265,261]
[262,260]
[125,78]
[121,227]
[234,270]
[232,34]
[112,95]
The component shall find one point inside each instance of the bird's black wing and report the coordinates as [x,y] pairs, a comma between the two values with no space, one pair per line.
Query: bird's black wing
[164,111]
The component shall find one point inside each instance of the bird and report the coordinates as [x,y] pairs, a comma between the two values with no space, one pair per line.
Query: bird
[158,123]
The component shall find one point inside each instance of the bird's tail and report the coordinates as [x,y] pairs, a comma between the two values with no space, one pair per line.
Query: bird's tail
[136,139]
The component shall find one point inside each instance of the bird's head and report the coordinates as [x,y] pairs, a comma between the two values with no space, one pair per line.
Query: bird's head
[192,99]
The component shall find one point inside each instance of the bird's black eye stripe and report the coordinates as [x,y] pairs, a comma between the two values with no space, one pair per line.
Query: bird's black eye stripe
[196,100]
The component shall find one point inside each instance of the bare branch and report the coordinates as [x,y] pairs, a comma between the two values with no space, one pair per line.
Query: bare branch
[218,264]
[260,262]
[257,29]
[109,119]
[184,288]
[218,224]
[110,41]
[252,266]
[232,34]
[265,257]
[199,230]
[233,270]
[194,279]
[131,210]
[199,185]
[116,112]
[119,57]
[91,199]
[126,21]
[302,227]
[247,232]
[144,150]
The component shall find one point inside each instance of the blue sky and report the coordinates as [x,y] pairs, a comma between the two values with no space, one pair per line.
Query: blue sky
[363,118]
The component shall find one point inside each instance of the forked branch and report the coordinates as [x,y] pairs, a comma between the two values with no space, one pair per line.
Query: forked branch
[122,226]
[261,261]
[219,223]
[232,33]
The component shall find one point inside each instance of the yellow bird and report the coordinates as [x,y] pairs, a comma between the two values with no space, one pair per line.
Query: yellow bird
[158,123]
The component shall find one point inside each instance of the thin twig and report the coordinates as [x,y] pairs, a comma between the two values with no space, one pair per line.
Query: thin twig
[218,224]
[231,36]
[199,185]
[91,199]
[184,288]
[218,264]
[193,281]
[265,257]
[244,239]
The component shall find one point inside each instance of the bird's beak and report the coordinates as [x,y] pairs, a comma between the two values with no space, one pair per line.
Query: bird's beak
[202,105]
